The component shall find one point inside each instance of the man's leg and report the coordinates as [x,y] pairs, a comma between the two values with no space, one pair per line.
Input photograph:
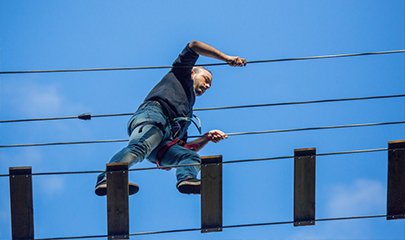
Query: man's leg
[146,134]
[187,181]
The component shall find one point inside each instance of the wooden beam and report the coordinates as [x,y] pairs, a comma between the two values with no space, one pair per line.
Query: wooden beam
[211,194]
[304,186]
[117,200]
[22,211]
[396,180]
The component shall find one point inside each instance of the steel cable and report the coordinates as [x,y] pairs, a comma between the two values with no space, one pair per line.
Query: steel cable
[224,227]
[225,162]
[312,128]
[229,134]
[88,116]
[205,65]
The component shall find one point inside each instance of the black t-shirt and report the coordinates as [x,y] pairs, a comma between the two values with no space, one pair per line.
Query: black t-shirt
[175,92]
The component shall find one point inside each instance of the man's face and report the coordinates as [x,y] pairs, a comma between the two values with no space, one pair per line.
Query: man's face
[202,81]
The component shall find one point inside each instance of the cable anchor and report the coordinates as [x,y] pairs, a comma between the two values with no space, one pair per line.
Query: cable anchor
[84,116]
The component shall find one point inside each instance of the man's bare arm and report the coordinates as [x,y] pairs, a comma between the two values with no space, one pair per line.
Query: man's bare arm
[213,136]
[209,51]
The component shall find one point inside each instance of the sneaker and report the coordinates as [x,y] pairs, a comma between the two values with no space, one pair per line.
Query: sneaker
[189,186]
[133,188]
[101,188]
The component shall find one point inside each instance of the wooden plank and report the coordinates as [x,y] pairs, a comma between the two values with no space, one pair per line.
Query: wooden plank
[117,200]
[22,211]
[304,186]
[211,194]
[396,180]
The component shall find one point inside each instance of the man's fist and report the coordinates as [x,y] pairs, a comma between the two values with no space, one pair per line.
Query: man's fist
[216,135]
[236,62]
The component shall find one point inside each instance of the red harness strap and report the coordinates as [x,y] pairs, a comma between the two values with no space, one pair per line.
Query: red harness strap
[192,147]
[166,147]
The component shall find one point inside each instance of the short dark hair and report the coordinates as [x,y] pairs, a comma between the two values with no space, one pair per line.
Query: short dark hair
[197,69]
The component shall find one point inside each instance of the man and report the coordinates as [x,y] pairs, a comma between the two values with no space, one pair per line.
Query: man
[162,120]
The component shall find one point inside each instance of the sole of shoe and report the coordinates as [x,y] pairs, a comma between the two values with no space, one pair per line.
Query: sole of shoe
[101,190]
[189,187]
[133,188]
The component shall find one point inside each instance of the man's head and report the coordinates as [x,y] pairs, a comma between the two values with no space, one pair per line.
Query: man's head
[202,80]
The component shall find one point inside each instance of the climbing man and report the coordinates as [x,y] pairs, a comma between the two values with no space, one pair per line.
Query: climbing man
[158,129]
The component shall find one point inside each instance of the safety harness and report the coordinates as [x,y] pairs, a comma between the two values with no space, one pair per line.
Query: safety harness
[176,122]
[177,140]
[176,131]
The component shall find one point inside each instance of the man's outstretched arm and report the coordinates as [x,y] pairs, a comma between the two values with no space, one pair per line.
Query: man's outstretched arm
[206,50]
[213,136]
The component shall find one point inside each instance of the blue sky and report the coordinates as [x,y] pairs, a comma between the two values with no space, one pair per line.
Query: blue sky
[42,35]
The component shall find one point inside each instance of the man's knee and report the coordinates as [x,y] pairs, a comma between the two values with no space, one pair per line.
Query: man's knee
[143,143]
[191,155]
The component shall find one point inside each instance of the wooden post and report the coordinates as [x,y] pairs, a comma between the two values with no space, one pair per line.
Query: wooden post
[117,200]
[304,186]
[396,180]
[211,194]
[22,211]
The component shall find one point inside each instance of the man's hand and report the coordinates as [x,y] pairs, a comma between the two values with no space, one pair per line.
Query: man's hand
[209,51]
[236,61]
[216,135]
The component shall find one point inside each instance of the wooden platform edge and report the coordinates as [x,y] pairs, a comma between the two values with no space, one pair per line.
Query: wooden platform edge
[304,186]
[117,200]
[211,194]
[21,203]
[396,180]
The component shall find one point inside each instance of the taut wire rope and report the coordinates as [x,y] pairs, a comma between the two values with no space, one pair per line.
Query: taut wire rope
[225,162]
[229,134]
[224,227]
[207,65]
[88,116]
